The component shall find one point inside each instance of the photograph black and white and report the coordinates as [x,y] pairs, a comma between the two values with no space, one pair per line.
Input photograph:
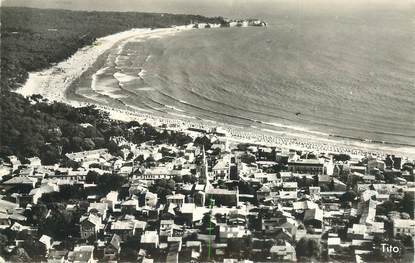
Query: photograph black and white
[228,131]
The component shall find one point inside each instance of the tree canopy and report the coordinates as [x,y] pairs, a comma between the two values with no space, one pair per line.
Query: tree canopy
[307,249]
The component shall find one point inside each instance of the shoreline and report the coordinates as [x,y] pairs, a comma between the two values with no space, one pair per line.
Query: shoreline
[62,75]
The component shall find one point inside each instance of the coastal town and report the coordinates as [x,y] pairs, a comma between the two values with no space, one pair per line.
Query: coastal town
[86,176]
[205,198]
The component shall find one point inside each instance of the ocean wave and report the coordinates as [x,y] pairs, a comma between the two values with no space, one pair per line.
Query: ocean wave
[95,77]
[274,131]
[145,89]
[141,73]
[279,125]
[234,107]
[173,108]
[295,128]
[140,109]
[182,115]
[123,78]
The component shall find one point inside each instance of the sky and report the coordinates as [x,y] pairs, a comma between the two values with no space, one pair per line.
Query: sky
[227,8]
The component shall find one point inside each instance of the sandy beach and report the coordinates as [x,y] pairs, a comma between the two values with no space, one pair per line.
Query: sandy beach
[53,83]
[61,76]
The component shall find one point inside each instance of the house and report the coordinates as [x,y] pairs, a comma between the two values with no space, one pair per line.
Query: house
[14,162]
[4,171]
[357,169]
[304,205]
[47,241]
[267,178]
[90,226]
[19,227]
[260,246]
[150,199]
[166,228]
[232,232]
[129,206]
[57,256]
[266,154]
[149,240]
[191,251]
[368,211]
[275,221]
[222,196]
[288,196]
[242,23]
[376,229]
[306,166]
[192,214]
[289,186]
[37,193]
[333,242]
[339,185]
[374,164]
[77,175]
[112,200]
[329,166]
[84,254]
[128,228]
[221,169]
[27,171]
[314,192]
[263,193]
[100,208]
[154,173]
[283,235]
[176,242]
[232,23]
[234,218]
[313,217]
[20,184]
[358,231]
[85,158]
[17,216]
[368,179]
[324,180]
[285,176]
[34,162]
[404,227]
[172,254]
[283,252]
[112,249]
[7,207]
[176,199]
[4,221]
[126,170]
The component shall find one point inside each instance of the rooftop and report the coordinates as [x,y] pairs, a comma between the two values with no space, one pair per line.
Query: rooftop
[404,223]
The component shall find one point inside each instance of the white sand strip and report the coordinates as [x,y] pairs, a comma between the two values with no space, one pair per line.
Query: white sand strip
[53,82]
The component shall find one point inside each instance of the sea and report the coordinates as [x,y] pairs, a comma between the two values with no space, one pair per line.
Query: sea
[347,75]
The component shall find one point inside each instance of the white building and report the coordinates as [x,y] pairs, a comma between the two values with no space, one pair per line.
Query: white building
[404,227]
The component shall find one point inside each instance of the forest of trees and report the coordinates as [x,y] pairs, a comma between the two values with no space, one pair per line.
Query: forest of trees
[51,130]
[34,39]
